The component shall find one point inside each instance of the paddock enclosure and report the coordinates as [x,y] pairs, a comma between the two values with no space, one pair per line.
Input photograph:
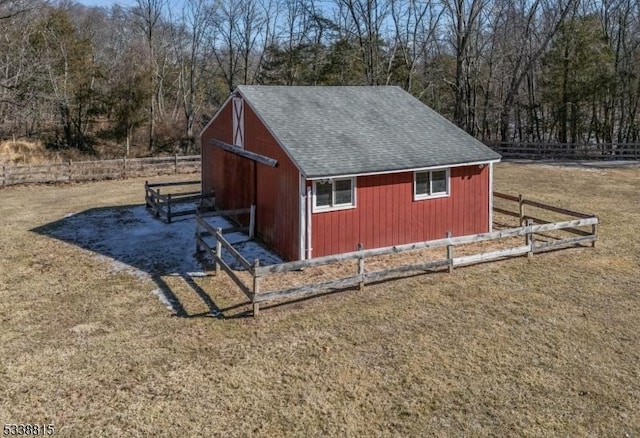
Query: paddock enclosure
[78,171]
[529,346]
[540,235]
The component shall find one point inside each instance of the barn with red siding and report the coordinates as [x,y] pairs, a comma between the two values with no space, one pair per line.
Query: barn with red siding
[331,168]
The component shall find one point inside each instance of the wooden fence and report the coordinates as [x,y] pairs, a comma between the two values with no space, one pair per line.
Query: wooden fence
[169,205]
[203,230]
[531,228]
[72,171]
[564,151]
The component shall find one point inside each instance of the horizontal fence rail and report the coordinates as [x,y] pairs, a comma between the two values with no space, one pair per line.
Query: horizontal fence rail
[533,230]
[568,151]
[438,243]
[77,171]
[166,205]
[204,230]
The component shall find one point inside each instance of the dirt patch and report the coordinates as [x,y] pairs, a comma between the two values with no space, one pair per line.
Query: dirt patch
[547,346]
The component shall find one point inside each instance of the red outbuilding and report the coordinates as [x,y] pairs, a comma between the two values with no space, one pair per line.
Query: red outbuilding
[329,168]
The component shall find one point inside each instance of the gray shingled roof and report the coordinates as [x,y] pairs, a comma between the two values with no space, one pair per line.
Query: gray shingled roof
[331,131]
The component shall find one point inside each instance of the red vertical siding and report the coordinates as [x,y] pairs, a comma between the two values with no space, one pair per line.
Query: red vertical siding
[211,156]
[239,182]
[386,213]
[228,174]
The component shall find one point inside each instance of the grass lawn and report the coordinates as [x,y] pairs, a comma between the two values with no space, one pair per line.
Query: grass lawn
[548,346]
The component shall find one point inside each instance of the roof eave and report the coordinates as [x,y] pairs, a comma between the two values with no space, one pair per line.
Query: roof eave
[215,116]
[411,169]
[268,128]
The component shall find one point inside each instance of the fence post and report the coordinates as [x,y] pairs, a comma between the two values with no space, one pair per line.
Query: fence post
[198,248]
[169,208]
[256,288]
[449,253]
[594,232]
[252,221]
[521,209]
[124,167]
[360,267]
[69,170]
[4,173]
[156,202]
[529,237]
[218,250]
[175,163]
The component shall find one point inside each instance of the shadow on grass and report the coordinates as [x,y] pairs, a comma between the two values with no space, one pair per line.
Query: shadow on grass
[132,240]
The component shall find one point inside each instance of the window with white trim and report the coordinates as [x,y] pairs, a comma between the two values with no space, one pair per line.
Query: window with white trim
[430,184]
[334,194]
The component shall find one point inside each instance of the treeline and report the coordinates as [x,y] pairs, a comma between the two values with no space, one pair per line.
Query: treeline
[149,76]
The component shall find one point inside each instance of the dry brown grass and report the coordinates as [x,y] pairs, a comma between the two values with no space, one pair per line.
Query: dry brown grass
[25,152]
[542,347]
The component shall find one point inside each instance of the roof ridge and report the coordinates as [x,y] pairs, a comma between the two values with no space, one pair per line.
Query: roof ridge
[355,129]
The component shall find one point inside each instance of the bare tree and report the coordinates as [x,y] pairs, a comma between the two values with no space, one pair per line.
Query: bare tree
[148,14]
[242,31]
[527,32]
[11,8]
[416,23]
[189,29]
[465,22]
[364,20]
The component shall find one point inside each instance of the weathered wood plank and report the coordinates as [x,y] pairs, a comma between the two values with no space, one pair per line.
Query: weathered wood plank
[180,199]
[169,160]
[174,183]
[205,225]
[600,151]
[310,289]
[507,212]
[234,252]
[393,272]
[203,244]
[256,289]
[225,212]
[220,262]
[572,241]
[569,230]
[555,209]
[564,224]
[163,212]
[488,256]
[512,232]
[252,221]
[178,195]
[93,170]
[244,153]
[236,255]
[505,196]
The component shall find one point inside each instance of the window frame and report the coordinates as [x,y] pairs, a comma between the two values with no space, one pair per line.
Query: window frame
[431,194]
[333,207]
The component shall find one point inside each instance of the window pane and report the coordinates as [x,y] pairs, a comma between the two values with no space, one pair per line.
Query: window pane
[343,192]
[439,181]
[323,194]
[422,183]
